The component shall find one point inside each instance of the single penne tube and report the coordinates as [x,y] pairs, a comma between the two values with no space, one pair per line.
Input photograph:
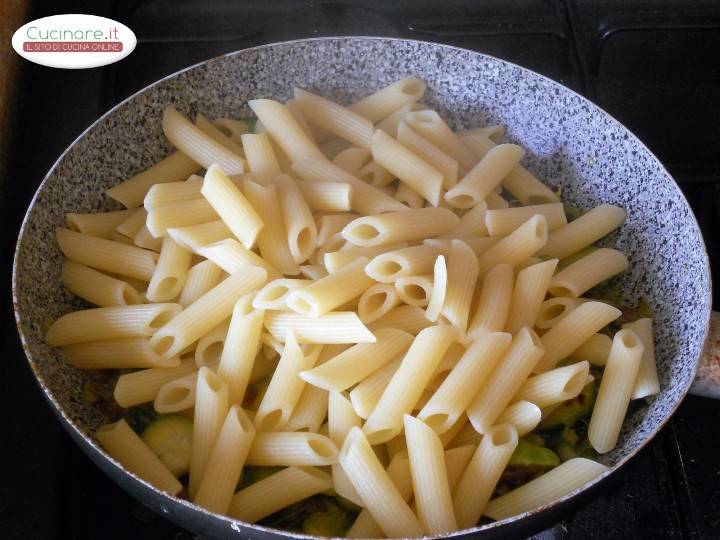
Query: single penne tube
[278,491]
[175,167]
[504,221]
[462,273]
[554,310]
[194,237]
[376,175]
[122,353]
[173,192]
[456,461]
[109,323]
[260,156]
[399,226]
[583,231]
[335,327]
[429,124]
[365,396]
[335,118]
[411,319]
[327,196]
[226,461]
[274,294]
[493,303]
[646,383]
[292,449]
[482,474]
[177,395]
[231,256]
[231,205]
[551,486]
[359,362]
[585,273]
[439,290]
[366,199]
[398,471]
[200,279]
[211,408]
[347,254]
[310,411]
[284,129]
[615,392]
[241,343]
[484,177]
[374,486]
[415,290]
[332,291]
[341,419]
[505,380]
[206,312]
[198,145]
[352,159]
[407,195]
[96,287]
[144,239]
[142,386]
[410,261]
[479,244]
[463,383]
[107,255]
[554,386]
[525,416]
[299,223]
[179,214]
[523,242]
[380,104]
[597,349]
[472,223]
[574,330]
[446,365]
[294,107]
[170,272]
[531,286]
[408,382]
[410,168]
[478,144]
[121,238]
[124,445]
[433,496]
[430,153]
[494,133]
[272,239]
[313,271]
[101,224]
[390,123]
[218,135]
[495,201]
[285,387]
[376,301]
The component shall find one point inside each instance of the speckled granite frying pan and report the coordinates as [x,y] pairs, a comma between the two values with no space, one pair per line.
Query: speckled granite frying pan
[571,144]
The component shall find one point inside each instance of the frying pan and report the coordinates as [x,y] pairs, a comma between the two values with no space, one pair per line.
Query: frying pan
[571,143]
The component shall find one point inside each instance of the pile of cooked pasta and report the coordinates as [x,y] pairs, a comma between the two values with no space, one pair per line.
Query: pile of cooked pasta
[356,301]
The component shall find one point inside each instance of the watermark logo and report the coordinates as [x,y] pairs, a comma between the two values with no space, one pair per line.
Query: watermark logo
[74,41]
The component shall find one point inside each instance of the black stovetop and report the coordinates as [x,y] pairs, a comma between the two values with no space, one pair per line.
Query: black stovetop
[653,65]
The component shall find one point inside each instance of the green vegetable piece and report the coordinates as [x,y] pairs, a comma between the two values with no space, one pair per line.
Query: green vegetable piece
[572,212]
[535,438]
[573,410]
[170,437]
[251,122]
[566,451]
[531,455]
[332,520]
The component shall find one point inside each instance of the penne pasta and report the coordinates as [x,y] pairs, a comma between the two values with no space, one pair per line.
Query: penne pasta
[409,261]
[494,133]
[399,226]
[231,256]
[462,273]
[430,153]
[170,272]
[327,196]
[585,273]
[274,294]
[122,353]
[124,445]
[197,145]
[180,214]
[376,301]
[505,380]
[597,349]
[218,135]
[260,155]
[200,279]
[177,395]
[352,159]
[143,385]
[101,224]
[346,254]
[504,221]
[531,286]
[646,383]
[411,319]
[341,419]
[585,230]
[554,310]
[299,223]
[415,290]
[96,287]
[210,346]
[194,237]
[291,449]
[493,305]
[376,175]
[382,103]
[107,255]
[231,205]
[172,192]
[175,167]
[472,223]
[406,195]
[615,392]
[439,290]
[523,242]
[144,239]
[335,327]
[429,124]
[554,386]
[523,415]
